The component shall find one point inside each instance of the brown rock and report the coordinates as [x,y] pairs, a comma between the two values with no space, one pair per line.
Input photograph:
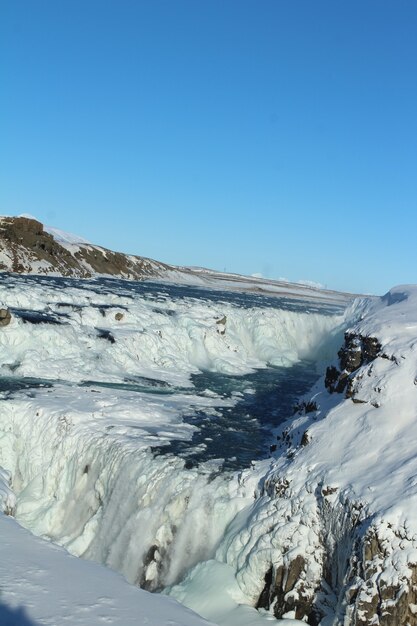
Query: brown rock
[5,317]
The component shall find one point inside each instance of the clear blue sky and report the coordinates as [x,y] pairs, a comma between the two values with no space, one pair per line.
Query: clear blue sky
[273,136]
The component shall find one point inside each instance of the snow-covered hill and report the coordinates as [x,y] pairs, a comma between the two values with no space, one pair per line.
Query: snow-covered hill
[27,247]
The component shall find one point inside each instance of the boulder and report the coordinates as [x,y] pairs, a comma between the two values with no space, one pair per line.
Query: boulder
[5,317]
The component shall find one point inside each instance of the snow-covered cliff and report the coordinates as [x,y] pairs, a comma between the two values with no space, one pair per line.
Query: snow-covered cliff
[334,524]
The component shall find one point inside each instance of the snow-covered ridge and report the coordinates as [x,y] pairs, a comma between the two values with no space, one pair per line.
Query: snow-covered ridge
[61,236]
[64,237]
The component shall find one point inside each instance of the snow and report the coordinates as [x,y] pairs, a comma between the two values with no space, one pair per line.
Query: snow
[254,284]
[83,474]
[365,453]
[63,237]
[213,579]
[155,338]
[42,584]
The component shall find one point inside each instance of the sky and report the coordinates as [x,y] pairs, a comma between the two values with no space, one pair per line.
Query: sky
[253,136]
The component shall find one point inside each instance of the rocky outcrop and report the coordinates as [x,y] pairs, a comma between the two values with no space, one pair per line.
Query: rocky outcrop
[5,317]
[286,591]
[357,350]
[370,596]
[352,576]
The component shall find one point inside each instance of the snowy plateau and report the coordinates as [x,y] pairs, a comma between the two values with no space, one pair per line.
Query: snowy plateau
[216,449]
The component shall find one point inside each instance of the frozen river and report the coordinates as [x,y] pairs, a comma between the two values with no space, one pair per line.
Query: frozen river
[134,414]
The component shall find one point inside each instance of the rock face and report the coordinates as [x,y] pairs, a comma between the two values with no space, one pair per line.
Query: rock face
[286,592]
[346,579]
[25,247]
[357,350]
[369,594]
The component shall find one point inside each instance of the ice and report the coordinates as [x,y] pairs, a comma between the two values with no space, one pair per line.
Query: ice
[213,579]
[107,337]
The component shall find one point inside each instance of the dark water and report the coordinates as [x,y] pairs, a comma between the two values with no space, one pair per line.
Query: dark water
[242,433]
[238,434]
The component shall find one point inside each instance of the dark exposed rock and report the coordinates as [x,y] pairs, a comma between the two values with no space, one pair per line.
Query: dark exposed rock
[357,350]
[264,600]
[336,381]
[306,407]
[332,376]
[342,383]
[152,557]
[281,487]
[279,583]
[350,355]
[119,316]
[305,439]
[352,573]
[369,598]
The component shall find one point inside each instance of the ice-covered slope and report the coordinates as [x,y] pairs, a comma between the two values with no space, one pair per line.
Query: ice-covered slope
[334,525]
